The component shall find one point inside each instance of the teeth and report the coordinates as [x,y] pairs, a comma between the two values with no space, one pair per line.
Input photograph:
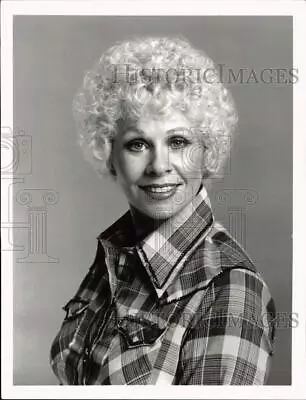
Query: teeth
[159,190]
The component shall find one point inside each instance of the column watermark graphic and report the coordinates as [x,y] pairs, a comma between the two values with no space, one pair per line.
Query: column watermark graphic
[37,201]
[16,165]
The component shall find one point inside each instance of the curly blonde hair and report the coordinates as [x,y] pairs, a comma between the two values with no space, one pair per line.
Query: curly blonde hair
[153,75]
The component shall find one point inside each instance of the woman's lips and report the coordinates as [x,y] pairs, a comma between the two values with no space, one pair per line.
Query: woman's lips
[159,192]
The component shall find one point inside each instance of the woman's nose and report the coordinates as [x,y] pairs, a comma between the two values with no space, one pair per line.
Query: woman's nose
[159,162]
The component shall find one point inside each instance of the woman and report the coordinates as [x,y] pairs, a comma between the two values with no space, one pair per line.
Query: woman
[171,297]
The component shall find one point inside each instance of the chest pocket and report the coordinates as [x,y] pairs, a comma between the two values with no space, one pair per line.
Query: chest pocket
[135,349]
[146,350]
[138,331]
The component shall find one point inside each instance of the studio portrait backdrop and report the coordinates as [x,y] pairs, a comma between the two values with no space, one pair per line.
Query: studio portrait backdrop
[61,205]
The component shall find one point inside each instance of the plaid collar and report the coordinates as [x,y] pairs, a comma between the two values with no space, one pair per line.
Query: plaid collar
[164,251]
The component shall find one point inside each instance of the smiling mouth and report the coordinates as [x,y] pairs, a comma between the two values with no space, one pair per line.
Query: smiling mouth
[161,192]
[159,188]
[164,189]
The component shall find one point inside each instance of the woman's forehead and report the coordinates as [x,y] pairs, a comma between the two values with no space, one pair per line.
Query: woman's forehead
[147,123]
[171,117]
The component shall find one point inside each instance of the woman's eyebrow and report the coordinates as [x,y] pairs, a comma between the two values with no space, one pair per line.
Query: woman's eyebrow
[178,128]
[135,129]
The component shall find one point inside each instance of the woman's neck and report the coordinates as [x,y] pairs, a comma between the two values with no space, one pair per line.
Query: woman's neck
[143,224]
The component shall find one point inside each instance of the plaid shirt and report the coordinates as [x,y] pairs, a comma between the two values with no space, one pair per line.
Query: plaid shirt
[184,305]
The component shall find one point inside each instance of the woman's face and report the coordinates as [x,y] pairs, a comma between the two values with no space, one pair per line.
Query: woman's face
[159,164]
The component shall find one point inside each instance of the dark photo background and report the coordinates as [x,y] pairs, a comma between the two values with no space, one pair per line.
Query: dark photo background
[253,200]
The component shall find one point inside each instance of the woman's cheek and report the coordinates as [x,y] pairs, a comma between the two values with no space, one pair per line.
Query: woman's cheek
[196,160]
[190,160]
[134,166]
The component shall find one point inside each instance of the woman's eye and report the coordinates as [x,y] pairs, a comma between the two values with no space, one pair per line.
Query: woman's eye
[179,142]
[135,145]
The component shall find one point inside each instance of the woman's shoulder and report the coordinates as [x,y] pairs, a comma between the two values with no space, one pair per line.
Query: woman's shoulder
[239,274]
[237,289]
[231,253]
[229,263]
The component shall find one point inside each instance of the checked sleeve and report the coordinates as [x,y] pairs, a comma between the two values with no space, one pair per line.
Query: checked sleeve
[232,337]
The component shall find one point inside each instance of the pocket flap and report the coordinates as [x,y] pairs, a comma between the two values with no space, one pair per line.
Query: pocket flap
[139,331]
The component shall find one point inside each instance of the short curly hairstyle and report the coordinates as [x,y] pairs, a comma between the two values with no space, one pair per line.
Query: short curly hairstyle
[153,75]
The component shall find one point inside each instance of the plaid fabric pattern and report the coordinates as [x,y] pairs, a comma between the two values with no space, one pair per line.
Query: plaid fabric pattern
[184,305]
